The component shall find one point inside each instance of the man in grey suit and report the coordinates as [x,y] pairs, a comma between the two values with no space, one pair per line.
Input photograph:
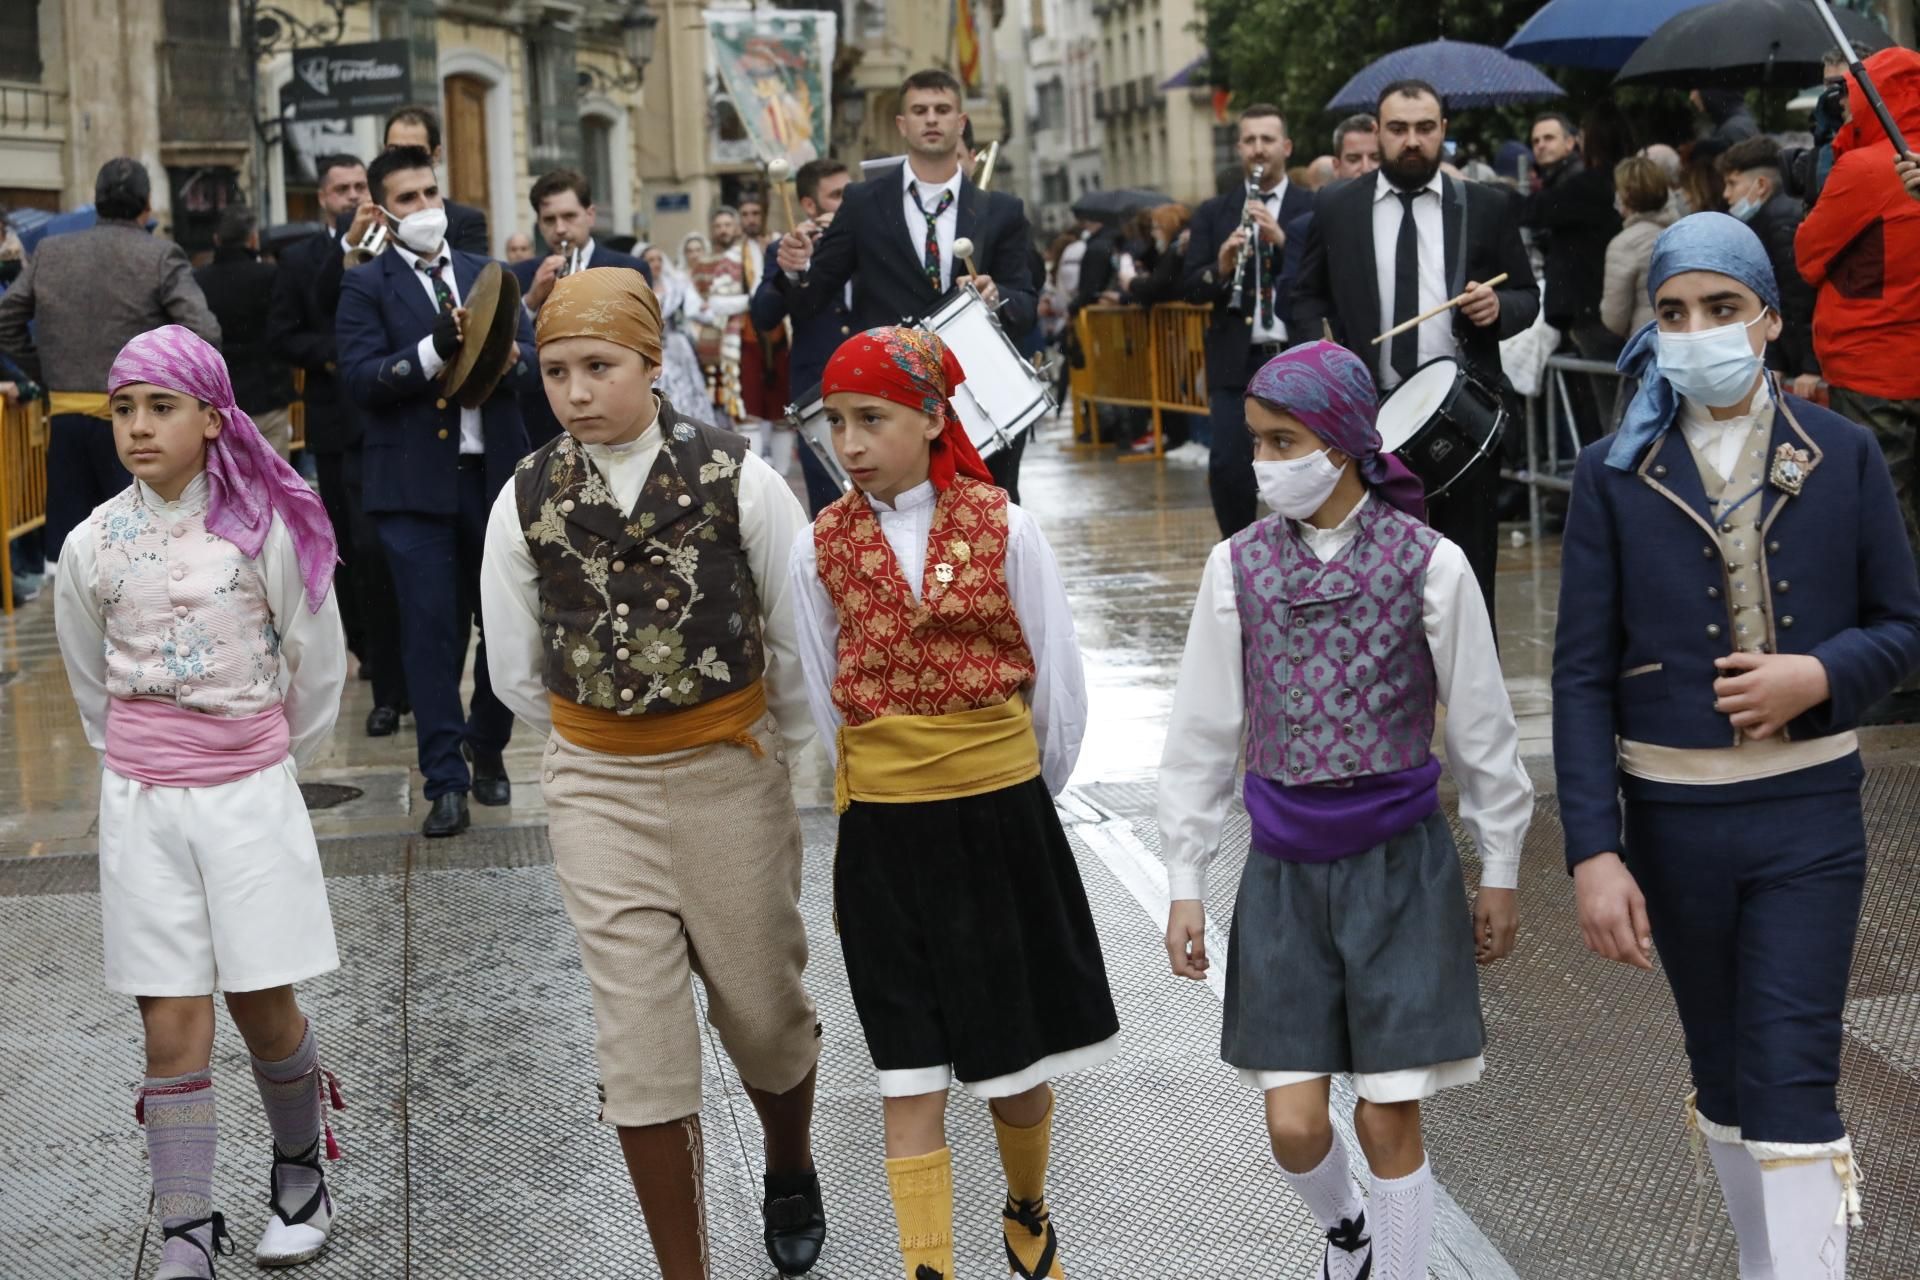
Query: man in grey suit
[87,293]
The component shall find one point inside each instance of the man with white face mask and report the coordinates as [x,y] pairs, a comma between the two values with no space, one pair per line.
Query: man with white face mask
[432,471]
[1736,591]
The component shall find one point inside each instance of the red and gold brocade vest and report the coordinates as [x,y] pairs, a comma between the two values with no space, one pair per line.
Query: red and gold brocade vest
[959,647]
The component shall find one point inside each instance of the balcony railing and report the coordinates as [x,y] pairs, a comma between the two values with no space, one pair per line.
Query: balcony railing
[26,109]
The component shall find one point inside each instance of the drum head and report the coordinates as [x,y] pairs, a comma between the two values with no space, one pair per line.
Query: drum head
[1412,404]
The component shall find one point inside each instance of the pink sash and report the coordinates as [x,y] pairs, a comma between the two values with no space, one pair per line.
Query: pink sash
[164,745]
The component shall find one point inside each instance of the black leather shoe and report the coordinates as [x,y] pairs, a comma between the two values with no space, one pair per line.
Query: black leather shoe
[796,1221]
[490,785]
[449,816]
[383,722]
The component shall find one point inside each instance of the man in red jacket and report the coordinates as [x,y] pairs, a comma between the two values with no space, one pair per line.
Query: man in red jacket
[1860,246]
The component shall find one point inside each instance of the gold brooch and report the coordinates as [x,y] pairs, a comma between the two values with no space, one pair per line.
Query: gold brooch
[959,550]
[1790,466]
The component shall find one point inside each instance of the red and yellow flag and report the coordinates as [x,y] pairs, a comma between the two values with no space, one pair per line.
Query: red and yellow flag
[966,44]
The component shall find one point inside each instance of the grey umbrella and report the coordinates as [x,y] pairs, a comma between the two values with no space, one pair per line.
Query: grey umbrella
[1741,43]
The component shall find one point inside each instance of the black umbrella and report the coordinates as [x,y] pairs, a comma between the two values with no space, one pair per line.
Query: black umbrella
[1117,204]
[1741,43]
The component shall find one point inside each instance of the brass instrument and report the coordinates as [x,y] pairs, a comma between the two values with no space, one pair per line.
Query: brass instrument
[370,245]
[984,176]
[1238,302]
[573,254]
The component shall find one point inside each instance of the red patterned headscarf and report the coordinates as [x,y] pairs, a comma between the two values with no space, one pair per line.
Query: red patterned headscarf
[914,368]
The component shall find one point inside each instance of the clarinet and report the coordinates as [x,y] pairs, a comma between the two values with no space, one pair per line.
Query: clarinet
[1238,302]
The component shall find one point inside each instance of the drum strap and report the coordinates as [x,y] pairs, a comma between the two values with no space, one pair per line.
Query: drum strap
[1457,278]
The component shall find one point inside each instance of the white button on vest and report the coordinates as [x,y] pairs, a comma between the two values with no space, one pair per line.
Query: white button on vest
[179,574]
[619,566]
[661,604]
[659,560]
[626,695]
[620,609]
[179,531]
[623,654]
[179,611]
[686,500]
[567,505]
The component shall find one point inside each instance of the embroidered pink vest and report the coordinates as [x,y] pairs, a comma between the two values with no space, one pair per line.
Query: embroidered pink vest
[186,613]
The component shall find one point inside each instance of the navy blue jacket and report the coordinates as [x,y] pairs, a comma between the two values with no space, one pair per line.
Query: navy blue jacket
[1645,607]
[1229,336]
[542,426]
[413,433]
[814,339]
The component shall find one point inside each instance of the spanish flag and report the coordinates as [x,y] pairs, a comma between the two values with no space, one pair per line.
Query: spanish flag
[966,44]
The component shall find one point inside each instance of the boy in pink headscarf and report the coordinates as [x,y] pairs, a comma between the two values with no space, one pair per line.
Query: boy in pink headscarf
[203,643]
[1324,640]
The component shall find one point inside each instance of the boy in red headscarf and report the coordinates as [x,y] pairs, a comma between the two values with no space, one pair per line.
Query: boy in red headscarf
[943,673]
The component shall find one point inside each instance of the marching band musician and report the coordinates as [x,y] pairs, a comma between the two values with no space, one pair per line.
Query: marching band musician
[432,468]
[894,235]
[562,203]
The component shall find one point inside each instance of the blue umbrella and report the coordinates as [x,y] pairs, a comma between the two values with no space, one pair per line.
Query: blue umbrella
[1585,33]
[1466,75]
[59,224]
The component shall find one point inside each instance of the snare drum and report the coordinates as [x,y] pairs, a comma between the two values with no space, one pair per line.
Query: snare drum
[1440,422]
[1003,395]
[809,421]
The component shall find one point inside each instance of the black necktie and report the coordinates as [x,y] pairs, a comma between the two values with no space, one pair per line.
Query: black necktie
[441,294]
[1406,288]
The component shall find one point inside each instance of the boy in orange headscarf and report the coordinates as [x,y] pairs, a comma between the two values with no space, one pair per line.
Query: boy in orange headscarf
[942,670]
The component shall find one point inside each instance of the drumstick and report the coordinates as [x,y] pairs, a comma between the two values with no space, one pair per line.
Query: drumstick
[1425,316]
[963,250]
[777,171]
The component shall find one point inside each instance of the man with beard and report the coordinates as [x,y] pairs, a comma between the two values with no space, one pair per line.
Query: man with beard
[1240,340]
[1386,248]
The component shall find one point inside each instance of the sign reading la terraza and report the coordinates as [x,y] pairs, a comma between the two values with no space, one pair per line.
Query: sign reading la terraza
[345,80]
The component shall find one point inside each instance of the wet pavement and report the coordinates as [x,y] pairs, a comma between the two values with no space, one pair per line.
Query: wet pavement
[461,1027]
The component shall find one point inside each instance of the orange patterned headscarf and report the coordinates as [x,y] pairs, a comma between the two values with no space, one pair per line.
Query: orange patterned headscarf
[911,367]
[612,303]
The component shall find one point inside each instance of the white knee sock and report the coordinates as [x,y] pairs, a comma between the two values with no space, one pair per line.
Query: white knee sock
[1400,1219]
[1806,1219]
[1740,1186]
[1333,1200]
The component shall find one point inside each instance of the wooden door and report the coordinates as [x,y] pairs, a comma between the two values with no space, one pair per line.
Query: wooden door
[466,179]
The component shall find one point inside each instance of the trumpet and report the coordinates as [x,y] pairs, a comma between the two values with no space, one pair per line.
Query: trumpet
[370,246]
[1238,302]
[573,253]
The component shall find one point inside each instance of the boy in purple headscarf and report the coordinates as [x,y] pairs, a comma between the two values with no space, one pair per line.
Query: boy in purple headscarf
[196,615]
[1323,640]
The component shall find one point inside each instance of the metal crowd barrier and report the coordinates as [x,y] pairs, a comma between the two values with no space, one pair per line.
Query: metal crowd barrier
[1547,411]
[23,483]
[1143,358]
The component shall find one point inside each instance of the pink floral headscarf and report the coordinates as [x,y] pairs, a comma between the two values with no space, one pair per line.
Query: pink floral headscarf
[246,480]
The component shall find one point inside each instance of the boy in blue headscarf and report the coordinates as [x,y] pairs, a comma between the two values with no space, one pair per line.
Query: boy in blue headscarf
[1736,589]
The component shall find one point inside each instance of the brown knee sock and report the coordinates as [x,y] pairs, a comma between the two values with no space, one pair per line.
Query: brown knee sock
[787,1120]
[668,1165]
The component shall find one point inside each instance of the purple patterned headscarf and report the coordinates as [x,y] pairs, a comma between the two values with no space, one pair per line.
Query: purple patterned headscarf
[1327,387]
[246,480]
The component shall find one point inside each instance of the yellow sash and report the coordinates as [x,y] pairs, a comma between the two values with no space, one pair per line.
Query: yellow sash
[908,759]
[729,718]
[94,404]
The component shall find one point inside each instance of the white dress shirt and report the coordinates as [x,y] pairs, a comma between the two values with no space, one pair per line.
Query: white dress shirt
[1721,440]
[770,519]
[1209,716]
[1429,227]
[1058,697]
[472,437]
[1264,332]
[945,227]
[313,648]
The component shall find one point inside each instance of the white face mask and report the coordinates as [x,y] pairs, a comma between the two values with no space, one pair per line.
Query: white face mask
[423,230]
[1298,487]
[1716,367]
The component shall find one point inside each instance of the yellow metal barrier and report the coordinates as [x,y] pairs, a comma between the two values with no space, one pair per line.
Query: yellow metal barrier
[297,411]
[1146,359]
[23,483]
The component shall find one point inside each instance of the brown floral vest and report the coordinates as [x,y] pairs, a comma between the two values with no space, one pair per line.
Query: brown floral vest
[653,609]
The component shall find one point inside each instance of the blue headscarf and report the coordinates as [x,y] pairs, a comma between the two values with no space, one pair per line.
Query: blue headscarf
[1700,242]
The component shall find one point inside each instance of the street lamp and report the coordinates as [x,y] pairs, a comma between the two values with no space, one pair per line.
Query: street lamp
[639,30]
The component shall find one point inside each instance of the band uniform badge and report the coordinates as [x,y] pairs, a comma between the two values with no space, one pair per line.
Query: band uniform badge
[1790,467]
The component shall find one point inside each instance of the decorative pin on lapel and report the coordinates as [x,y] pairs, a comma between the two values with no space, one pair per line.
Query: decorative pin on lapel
[1790,466]
[958,549]
[944,572]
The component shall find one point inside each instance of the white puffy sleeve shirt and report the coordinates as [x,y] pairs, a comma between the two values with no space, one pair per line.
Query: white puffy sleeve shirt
[1209,717]
[1058,697]
[770,519]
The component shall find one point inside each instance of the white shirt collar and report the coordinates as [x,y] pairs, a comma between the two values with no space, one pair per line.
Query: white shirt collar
[1383,188]
[1279,191]
[921,495]
[1314,531]
[908,183]
[191,498]
[413,260]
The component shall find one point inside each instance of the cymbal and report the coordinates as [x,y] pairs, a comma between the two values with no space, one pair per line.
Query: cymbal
[487,348]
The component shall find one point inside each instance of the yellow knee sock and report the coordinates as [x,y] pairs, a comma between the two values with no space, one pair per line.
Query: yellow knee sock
[1031,1247]
[922,1188]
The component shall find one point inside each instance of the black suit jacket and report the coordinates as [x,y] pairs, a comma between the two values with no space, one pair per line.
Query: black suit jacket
[870,244]
[1229,336]
[467,229]
[306,295]
[1338,286]
[542,426]
[239,289]
[413,432]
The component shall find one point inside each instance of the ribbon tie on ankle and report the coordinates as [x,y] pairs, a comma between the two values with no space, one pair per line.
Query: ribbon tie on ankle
[1351,1235]
[926,1272]
[1031,1214]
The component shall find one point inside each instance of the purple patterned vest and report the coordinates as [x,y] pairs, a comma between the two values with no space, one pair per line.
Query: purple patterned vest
[1339,679]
